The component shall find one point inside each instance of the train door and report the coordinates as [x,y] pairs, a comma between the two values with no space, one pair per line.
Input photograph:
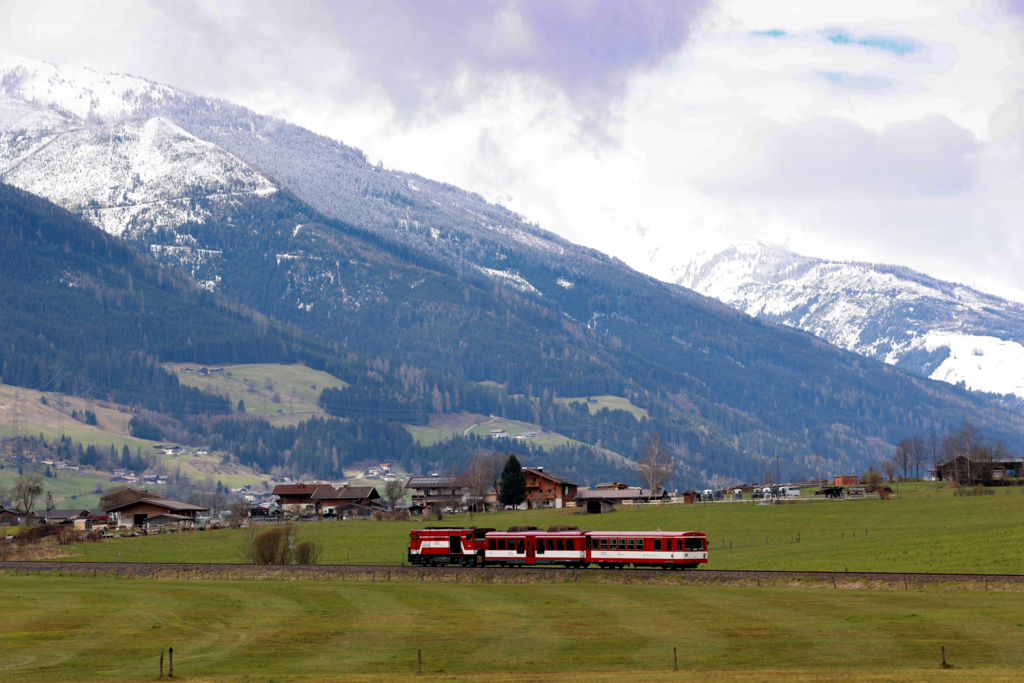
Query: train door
[531,551]
[454,545]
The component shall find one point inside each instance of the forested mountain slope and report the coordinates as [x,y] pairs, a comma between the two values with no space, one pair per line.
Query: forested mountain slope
[442,291]
[84,313]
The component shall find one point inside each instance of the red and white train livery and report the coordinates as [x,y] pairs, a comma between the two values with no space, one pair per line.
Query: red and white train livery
[566,546]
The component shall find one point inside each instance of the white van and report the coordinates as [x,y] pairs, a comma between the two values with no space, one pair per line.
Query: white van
[789,492]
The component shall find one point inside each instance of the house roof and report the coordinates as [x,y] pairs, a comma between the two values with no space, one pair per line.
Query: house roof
[351,493]
[431,482]
[168,515]
[175,505]
[620,494]
[547,475]
[64,514]
[298,489]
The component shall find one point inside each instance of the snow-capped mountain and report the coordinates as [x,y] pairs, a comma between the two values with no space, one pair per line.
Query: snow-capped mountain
[943,330]
[81,142]
[135,156]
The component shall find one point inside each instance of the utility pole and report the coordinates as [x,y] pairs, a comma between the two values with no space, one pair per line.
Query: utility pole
[819,468]
[778,480]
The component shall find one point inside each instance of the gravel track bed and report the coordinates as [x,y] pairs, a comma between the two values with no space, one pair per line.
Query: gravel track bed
[385,573]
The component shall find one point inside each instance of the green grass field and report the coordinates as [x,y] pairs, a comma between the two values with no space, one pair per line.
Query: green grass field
[101,629]
[924,532]
[597,403]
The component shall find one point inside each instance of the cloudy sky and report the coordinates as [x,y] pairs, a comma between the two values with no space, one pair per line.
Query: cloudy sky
[885,131]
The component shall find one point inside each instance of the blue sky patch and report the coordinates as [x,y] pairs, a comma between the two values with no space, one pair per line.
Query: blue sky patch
[901,47]
[770,33]
[841,79]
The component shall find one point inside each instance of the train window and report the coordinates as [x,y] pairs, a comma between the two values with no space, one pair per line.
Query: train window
[540,546]
[622,544]
[587,543]
[570,544]
[560,544]
[551,544]
[629,544]
[604,544]
[694,544]
[492,544]
[657,544]
[520,546]
[469,536]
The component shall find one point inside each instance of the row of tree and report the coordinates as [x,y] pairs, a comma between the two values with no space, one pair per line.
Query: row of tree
[965,448]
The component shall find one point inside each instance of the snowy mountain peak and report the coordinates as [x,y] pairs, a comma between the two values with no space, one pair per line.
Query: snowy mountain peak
[943,330]
[79,91]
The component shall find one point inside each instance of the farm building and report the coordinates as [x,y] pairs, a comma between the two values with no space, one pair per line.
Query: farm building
[161,511]
[16,517]
[602,500]
[845,480]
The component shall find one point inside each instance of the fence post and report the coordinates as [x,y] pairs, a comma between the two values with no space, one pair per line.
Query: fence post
[675,659]
[161,663]
[419,660]
[170,662]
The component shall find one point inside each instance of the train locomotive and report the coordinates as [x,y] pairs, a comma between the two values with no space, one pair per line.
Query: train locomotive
[564,546]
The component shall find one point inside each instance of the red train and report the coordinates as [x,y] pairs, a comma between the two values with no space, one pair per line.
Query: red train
[566,546]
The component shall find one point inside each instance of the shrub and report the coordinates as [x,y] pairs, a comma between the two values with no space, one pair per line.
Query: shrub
[269,547]
[308,552]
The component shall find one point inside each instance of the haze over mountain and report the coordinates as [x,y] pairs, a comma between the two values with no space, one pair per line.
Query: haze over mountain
[457,305]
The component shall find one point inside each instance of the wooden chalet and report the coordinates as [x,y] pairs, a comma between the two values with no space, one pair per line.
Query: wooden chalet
[297,497]
[547,490]
[437,491]
[352,499]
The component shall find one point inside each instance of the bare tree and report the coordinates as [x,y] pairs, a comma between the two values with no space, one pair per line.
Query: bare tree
[918,454]
[902,456]
[656,464]
[495,466]
[454,491]
[394,491]
[889,469]
[934,449]
[962,445]
[215,502]
[26,491]
[476,478]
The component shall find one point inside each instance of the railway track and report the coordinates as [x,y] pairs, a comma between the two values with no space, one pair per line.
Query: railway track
[406,573]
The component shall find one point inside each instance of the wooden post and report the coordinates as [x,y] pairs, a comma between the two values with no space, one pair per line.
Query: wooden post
[419,660]
[943,656]
[161,663]
[170,662]
[675,659]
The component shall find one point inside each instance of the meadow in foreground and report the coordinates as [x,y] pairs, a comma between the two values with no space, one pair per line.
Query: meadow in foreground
[98,629]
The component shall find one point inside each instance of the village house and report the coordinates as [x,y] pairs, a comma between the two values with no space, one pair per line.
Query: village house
[546,490]
[297,497]
[347,501]
[437,491]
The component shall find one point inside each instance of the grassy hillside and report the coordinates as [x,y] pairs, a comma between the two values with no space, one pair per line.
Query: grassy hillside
[281,393]
[926,532]
[598,403]
[82,629]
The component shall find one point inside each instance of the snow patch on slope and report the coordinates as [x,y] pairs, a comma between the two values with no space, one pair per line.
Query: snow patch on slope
[513,280]
[982,363]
